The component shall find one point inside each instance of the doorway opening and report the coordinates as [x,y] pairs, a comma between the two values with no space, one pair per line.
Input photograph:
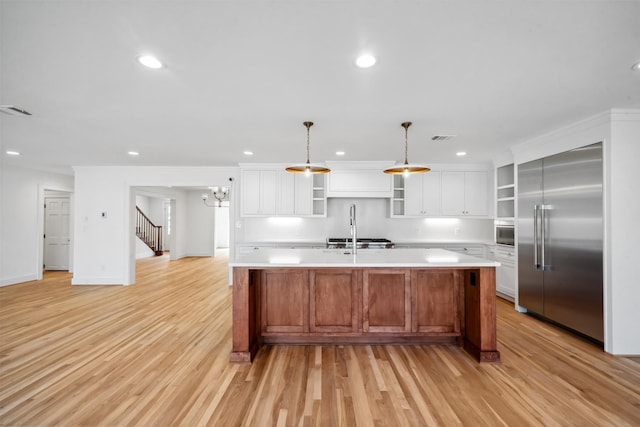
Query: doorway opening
[190,227]
[56,247]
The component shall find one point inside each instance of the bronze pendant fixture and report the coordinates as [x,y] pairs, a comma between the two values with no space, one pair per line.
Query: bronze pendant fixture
[307,168]
[406,168]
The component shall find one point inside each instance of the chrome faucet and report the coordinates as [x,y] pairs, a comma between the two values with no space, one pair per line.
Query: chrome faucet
[354,229]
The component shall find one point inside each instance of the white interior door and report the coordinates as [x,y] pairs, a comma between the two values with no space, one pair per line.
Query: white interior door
[56,233]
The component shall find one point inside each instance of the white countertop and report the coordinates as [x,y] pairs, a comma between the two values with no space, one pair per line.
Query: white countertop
[399,257]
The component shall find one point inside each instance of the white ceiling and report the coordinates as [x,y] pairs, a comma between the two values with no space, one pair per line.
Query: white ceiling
[244,75]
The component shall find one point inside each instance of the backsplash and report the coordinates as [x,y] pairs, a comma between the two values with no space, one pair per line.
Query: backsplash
[373,221]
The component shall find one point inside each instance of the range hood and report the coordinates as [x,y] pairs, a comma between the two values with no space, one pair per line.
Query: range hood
[359,180]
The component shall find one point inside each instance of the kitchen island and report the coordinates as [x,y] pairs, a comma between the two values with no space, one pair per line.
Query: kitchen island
[385,296]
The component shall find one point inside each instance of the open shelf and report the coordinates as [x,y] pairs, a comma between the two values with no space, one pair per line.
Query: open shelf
[505,192]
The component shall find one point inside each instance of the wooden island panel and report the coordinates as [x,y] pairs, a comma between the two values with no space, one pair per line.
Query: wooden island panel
[386,299]
[285,301]
[480,314]
[333,303]
[436,301]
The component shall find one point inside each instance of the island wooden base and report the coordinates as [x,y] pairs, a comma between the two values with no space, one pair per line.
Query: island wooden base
[364,306]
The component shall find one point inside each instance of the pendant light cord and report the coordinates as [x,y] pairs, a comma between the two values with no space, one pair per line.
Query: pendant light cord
[406,125]
[308,125]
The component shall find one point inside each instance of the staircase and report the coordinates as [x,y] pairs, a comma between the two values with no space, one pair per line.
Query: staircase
[148,232]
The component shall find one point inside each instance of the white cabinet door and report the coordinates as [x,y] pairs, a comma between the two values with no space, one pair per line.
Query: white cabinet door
[506,273]
[259,191]
[464,193]
[287,187]
[268,192]
[453,193]
[413,195]
[422,195]
[251,192]
[431,194]
[303,196]
[475,193]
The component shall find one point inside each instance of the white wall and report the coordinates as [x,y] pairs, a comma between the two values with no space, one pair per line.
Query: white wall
[623,234]
[110,189]
[222,226]
[372,220]
[200,226]
[619,130]
[143,203]
[142,250]
[22,220]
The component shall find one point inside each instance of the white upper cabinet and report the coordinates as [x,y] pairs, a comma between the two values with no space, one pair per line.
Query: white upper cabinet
[303,196]
[273,192]
[422,194]
[286,197]
[441,193]
[259,192]
[464,194]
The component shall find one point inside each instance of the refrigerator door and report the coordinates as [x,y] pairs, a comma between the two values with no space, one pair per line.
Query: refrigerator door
[530,277]
[573,233]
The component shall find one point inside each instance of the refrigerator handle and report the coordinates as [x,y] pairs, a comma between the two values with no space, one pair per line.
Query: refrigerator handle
[536,264]
[543,236]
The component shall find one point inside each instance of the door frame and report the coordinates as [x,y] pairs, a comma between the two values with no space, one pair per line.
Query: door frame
[49,200]
[42,188]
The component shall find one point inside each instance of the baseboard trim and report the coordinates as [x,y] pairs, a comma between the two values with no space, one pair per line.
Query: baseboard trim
[18,280]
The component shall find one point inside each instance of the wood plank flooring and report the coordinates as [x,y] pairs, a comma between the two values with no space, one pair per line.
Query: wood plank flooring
[156,354]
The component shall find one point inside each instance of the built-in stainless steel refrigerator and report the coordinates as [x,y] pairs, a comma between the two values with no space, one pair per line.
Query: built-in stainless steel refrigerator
[560,234]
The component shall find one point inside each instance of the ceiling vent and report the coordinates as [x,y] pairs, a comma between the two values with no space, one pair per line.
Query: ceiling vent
[442,137]
[13,110]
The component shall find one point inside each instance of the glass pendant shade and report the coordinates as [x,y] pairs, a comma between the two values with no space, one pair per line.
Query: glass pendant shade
[406,168]
[307,168]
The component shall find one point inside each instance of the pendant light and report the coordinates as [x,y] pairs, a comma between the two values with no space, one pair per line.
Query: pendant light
[307,168]
[406,168]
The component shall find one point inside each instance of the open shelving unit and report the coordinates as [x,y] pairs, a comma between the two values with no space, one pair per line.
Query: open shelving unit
[397,202]
[505,193]
[319,199]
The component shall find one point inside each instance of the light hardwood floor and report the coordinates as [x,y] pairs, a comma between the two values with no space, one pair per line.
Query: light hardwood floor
[156,353]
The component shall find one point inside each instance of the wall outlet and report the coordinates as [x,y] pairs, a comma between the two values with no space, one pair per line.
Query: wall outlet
[456,231]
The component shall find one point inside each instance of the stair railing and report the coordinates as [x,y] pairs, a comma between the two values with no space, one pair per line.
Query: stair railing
[148,232]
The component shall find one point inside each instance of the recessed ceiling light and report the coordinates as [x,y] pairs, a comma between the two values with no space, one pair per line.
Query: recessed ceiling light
[133,153]
[366,61]
[461,153]
[340,153]
[636,66]
[13,153]
[248,153]
[150,61]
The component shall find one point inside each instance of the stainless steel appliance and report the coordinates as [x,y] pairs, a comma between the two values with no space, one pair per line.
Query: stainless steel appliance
[361,243]
[505,234]
[353,227]
[560,233]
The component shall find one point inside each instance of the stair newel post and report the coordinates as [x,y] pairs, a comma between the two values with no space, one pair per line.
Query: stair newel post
[159,246]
